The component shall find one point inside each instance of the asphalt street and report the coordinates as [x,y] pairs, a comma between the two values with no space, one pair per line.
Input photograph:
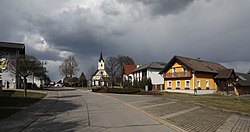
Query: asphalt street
[68,109]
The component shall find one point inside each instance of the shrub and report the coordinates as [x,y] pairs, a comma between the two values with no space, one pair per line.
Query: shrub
[123,90]
[143,83]
[97,89]
[127,84]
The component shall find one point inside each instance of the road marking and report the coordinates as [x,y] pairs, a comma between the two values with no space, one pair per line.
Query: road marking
[180,112]
[149,106]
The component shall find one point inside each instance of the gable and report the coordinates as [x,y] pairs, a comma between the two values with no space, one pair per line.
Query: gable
[174,63]
[100,73]
[179,67]
[195,65]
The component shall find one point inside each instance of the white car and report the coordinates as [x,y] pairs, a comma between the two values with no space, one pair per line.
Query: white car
[58,85]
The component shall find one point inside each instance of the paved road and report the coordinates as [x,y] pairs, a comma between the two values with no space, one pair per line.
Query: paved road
[67,109]
[76,110]
[188,117]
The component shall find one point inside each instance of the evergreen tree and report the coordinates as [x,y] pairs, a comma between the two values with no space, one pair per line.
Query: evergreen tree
[82,80]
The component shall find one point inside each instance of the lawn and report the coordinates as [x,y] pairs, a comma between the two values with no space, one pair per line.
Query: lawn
[232,103]
[13,101]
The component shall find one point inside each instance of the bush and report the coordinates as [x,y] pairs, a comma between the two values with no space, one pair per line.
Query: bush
[123,90]
[143,83]
[127,84]
[97,89]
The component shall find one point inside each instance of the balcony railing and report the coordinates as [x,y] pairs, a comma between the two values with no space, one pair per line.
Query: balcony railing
[178,74]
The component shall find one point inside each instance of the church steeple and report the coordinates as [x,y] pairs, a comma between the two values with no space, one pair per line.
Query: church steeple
[101,62]
[101,58]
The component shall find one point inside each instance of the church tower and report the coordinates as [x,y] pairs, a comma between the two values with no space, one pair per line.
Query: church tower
[100,77]
[101,63]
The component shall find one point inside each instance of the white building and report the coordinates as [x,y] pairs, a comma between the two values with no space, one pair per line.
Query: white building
[8,50]
[151,71]
[100,77]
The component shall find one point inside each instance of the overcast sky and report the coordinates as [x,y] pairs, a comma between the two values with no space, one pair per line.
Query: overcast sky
[146,30]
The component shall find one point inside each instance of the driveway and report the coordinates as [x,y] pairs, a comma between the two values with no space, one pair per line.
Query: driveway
[67,109]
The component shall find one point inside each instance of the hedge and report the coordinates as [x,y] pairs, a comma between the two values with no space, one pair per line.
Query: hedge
[117,90]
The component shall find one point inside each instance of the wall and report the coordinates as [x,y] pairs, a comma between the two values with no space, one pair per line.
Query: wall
[155,76]
[203,77]
[182,84]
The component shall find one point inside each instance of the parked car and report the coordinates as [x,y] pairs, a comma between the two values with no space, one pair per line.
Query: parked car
[58,85]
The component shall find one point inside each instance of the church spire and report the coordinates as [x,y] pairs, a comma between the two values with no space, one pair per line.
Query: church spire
[101,58]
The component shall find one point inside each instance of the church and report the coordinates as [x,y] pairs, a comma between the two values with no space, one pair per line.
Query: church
[100,77]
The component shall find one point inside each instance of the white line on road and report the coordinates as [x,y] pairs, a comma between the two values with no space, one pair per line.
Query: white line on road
[155,105]
[139,101]
[180,112]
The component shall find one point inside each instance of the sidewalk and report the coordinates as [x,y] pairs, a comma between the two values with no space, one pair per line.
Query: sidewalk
[189,117]
[24,118]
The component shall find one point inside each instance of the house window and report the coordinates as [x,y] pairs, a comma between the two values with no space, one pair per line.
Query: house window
[184,69]
[173,71]
[199,83]
[178,83]
[187,83]
[207,83]
[169,83]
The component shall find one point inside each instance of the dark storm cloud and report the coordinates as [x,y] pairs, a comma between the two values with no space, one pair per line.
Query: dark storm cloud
[161,7]
[165,7]
[146,30]
[74,31]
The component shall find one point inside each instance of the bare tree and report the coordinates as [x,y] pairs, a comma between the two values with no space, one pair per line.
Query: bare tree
[24,66]
[91,71]
[40,72]
[125,60]
[112,68]
[69,67]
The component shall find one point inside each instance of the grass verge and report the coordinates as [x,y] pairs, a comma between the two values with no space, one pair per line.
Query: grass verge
[232,103]
[13,101]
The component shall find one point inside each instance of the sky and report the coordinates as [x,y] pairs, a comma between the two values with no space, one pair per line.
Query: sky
[145,30]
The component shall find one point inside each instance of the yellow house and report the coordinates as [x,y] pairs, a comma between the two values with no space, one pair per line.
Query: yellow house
[182,73]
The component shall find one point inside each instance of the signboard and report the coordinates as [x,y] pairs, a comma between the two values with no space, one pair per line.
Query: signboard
[3,63]
[3,60]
